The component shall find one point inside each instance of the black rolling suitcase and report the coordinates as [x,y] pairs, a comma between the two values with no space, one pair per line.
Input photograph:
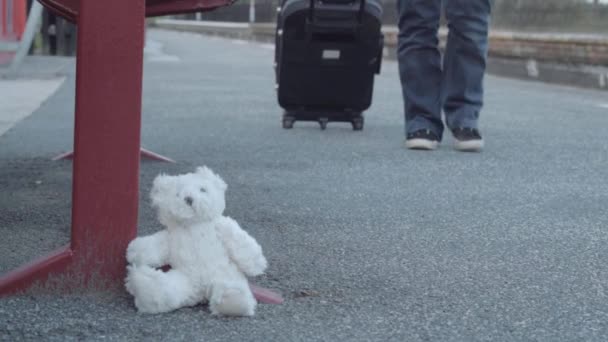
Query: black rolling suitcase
[326,56]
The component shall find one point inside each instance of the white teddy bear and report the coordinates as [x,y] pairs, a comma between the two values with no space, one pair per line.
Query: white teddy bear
[209,254]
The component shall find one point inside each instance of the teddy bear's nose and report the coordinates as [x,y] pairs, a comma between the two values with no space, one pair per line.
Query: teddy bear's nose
[188,200]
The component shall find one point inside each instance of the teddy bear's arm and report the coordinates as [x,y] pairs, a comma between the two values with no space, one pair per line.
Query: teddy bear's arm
[243,249]
[151,250]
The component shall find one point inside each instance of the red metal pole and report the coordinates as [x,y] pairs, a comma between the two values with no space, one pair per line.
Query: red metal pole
[106,153]
[107,133]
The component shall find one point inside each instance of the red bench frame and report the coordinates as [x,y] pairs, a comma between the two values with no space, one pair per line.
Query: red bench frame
[105,188]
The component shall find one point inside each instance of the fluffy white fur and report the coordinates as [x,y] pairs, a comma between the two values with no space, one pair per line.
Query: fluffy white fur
[209,253]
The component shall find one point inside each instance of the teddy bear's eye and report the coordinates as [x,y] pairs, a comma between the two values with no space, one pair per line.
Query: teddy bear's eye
[203,190]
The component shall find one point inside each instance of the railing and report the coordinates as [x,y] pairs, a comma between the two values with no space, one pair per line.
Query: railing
[528,15]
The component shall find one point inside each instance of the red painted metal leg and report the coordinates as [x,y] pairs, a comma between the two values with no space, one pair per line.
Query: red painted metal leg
[106,152]
[107,134]
[265,296]
[56,262]
[155,156]
[143,153]
[66,155]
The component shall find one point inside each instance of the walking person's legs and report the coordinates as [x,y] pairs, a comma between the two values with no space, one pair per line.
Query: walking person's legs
[420,71]
[464,66]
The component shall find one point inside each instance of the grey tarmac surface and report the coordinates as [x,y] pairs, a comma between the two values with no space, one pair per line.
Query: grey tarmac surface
[367,241]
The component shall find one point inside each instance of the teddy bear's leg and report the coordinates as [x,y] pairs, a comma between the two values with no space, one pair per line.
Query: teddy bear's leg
[232,299]
[156,291]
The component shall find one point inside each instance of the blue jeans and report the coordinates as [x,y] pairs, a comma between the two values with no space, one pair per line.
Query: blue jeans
[456,85]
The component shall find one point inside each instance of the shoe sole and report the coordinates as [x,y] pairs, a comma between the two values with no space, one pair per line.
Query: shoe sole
[468,145]
[421,144]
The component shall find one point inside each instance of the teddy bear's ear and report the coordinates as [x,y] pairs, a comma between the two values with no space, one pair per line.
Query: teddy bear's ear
[160,186]
[219,182]
[205,172]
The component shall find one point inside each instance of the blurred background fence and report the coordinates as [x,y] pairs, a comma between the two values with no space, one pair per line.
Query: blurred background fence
[562,41]
[580,16]
[57,37]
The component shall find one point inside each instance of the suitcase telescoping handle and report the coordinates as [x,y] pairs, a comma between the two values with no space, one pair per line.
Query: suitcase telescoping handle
[311,11]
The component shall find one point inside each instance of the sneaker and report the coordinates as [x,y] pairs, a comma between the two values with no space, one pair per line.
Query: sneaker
[423,139]
[467,139]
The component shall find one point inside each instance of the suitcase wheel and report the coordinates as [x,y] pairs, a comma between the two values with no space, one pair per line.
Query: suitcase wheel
[358,123]
[288,123]
[323,122]
[288,120]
